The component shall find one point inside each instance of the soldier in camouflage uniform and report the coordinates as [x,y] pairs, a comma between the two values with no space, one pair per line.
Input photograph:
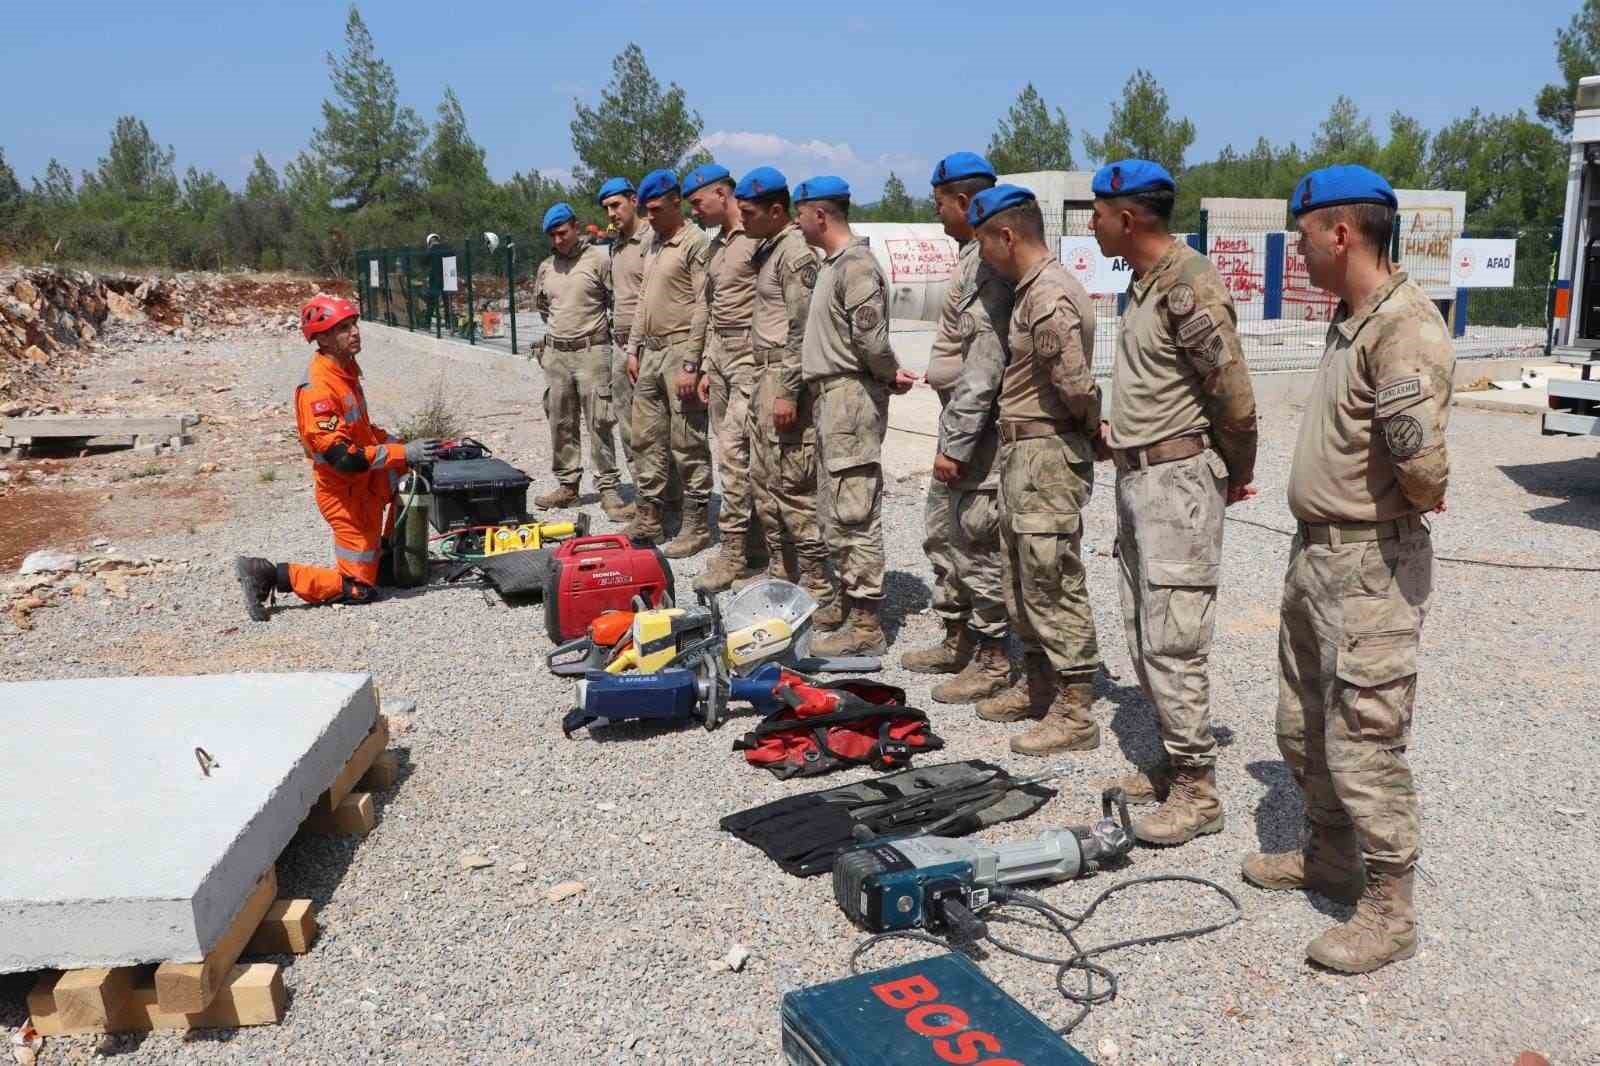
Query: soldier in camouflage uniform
[670,423]
[730,372]
[962,516]
[1369,463]
[783,441]
[849,371]
[572,292]
[1049,414]
[1182,434]
[631,238]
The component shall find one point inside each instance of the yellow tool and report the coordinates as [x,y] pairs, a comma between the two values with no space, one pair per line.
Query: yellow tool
[497,540]
[658,637]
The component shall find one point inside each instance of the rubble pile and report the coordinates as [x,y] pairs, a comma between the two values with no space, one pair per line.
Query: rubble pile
[46,576]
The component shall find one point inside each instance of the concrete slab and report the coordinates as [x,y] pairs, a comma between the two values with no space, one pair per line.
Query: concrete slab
[121,850]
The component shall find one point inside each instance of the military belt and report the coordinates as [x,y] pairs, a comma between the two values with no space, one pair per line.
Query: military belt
[732,331]
[1011,432]
[1167,451]
[770,356]
[620,336]
[657,341]
[833,381]
[1334,534]
[578,344]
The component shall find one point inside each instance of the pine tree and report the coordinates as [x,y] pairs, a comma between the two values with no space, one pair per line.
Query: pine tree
[368,143]
[1142,127]
[636,128]
[1029,139]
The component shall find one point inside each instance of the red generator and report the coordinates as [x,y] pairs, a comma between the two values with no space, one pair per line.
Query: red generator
[591,575]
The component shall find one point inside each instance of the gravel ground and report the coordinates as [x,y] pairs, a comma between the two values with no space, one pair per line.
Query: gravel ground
[423,961]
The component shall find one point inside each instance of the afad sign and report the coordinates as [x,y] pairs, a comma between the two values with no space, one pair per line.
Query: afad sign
[1102,275]
[1480,263]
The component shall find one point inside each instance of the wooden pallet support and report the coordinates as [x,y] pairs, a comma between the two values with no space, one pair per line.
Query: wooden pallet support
[354,816]
[125,1000]
[189,987]
[288,929]
[384,773]
[366,754]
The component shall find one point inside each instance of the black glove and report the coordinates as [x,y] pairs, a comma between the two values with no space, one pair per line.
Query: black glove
[421,451]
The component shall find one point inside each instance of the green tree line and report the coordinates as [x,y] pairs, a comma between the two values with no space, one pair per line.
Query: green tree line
[375,173]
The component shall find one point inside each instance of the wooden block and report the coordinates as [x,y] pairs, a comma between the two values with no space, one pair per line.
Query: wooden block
[365,754]
[354,815]
[93,1000]
[288,929]
[382,775]
[188,987]
[250,995]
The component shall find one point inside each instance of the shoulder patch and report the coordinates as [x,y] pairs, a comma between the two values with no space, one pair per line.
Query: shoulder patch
[808,275]
[1400,390]
[323,407]
[1180,300]
[1047,340]
[1403,434]
[1195,329]
[866,317]
[328,425]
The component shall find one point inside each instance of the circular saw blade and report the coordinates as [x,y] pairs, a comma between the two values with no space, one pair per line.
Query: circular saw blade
[714,687]
[770,598]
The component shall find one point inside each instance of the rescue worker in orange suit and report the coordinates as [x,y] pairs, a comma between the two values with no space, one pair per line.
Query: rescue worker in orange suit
[355,468]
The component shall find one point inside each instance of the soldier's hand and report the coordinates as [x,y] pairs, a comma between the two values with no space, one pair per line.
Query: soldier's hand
[1237,493]
[633,368]
[687,388]
[784,415]
[702,388]
[1441,508]
[946,469]
[1102,447]
[903,380]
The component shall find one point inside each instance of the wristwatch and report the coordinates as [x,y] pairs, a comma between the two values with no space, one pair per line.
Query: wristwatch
[691,367]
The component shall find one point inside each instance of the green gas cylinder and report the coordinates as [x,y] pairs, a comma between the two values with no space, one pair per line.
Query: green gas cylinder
[411,554]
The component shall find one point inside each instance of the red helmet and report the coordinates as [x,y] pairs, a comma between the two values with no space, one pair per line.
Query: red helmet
[321,313]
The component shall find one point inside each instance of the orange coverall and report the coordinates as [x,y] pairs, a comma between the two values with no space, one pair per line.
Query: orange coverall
[355,469]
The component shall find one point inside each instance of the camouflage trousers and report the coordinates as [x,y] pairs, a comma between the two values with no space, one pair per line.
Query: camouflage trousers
[1045,483]
[669,431]
[1350,626]
[852,415]
[732,372]
[622,398]
[578,389]
[783,479]
[961,538]
[1169,554]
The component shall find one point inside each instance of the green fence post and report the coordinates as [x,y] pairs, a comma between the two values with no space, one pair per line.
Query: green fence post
[405,279]
[511,290]
[361,292]
[1394,239]
[472,324]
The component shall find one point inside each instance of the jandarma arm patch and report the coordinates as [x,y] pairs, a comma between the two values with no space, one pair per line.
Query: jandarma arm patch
[1407,389]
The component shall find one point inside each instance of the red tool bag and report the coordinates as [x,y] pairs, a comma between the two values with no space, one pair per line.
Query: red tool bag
[847,723]
[592,575]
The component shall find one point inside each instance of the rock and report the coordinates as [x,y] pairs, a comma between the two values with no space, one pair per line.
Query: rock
[565,890]
[736,957]
[123,309]
[24,291]
[471,860]
[46,560]
[519,868]
[1108,1051]
[34,354]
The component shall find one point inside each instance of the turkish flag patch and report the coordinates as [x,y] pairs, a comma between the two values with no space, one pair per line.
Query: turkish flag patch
[323,407]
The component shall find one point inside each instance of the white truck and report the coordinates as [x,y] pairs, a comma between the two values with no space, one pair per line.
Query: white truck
[1575,403]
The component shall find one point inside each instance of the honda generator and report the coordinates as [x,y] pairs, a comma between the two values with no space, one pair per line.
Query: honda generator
[591,575]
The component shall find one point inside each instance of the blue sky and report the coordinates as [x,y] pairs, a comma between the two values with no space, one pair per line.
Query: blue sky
[853,89]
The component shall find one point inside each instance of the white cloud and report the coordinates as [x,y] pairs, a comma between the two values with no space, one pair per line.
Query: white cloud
[561,174]
[740,150]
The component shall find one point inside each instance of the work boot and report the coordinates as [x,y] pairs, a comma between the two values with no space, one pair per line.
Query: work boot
[1028,696]
[1192,808]
[1143,786]
[646,525]
[560,496]
[861,633]
[1382,930]
[949,656]
[615,507]
[1067,724]
[259,579]
[693,538]
[988,673]
[830,602]
[1329,865]
[729,566]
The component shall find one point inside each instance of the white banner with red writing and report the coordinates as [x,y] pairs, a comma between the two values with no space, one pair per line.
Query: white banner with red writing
[1482,263]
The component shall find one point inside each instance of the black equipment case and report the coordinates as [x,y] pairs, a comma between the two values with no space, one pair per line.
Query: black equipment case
[477,492]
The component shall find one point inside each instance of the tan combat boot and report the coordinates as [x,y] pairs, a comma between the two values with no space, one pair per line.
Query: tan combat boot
[830,603]
[1067,724]
[646,525]
[1143,786]
[949,656]
[1382,930]
[560,496]
[1027,697]
[615,507]
[724,570]
[1192,808]
[861,634]
[1330,865]
[693,538]
[987,674]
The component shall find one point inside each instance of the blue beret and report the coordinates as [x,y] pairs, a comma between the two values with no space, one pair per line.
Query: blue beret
[657,183]
[958,166]
[991,201]
[613,187]
[826,187]
[1128,176]
[701,176]
[1347,183]
[759,182]
[558,213]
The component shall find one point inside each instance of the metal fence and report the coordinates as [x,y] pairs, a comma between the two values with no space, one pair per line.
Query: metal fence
[1283,318]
